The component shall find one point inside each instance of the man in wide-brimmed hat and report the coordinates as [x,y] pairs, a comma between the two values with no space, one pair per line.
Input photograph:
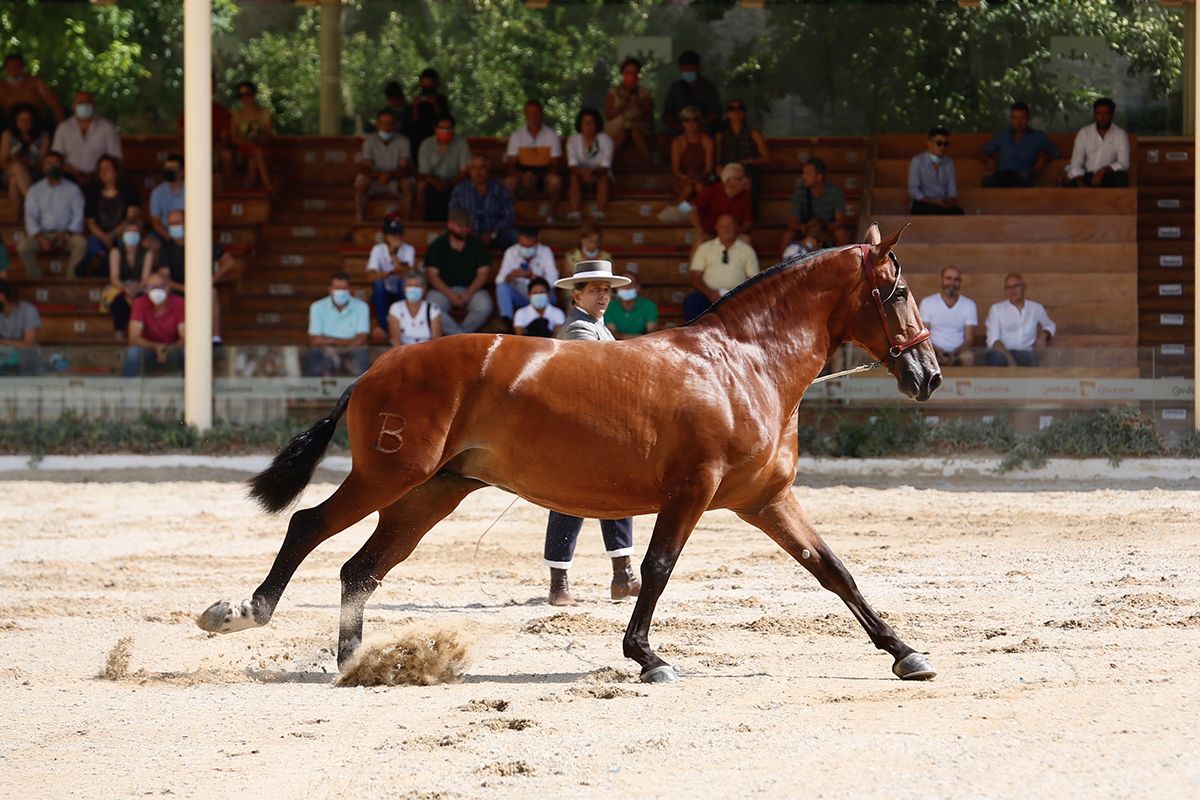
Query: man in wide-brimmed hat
[591,284]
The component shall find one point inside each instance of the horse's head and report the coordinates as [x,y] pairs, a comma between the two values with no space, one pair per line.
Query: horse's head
[888,324]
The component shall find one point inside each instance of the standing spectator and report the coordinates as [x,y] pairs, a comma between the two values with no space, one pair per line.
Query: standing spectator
[534,159]
[541,317]
[83,137]
[387,266]
[1017,328]
[442,163]
[692,90]
[414,319]
[130,265]
[932,182]
[428,106]
[53,219]
[812,199]
[730,196]
[397,103]
[589,159]
[526,259]
[22,146]
[21,88]
[384,167]
[693,154]
[1101,153]
[717,266]
[19,328]
[738,143]
[251,131]
[629,109]
[632,315]
[167,196]
[1017,156]
[952,320]
[487,204]
[222,139]
[155,329]
[337,332]
[458,265]
[110,204]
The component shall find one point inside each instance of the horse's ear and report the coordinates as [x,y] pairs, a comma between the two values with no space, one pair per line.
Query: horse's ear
[873,236]
[882,248]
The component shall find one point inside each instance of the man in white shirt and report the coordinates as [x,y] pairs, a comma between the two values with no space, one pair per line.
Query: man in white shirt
[1017,328]
[526,259]
[534,159]
[383,170]
[388,265]
[717,266]
[951,319]
[1101,154]
[83,138]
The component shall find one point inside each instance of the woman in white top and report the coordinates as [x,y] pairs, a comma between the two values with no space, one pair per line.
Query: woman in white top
[540,317]
[414,319]
[589,157]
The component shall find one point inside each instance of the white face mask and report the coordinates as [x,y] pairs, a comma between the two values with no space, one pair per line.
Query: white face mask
[85,110]
[157,295]
[934,158]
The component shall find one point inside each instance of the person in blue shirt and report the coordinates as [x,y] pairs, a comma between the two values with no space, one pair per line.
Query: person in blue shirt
[932,182]
[338,326]
[1017,156]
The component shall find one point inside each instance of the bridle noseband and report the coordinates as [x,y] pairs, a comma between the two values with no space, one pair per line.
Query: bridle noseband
[896,350]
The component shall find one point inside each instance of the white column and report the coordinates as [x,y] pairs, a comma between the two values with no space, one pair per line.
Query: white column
[197,99]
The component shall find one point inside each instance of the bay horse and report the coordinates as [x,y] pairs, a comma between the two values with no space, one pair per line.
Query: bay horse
[678,422]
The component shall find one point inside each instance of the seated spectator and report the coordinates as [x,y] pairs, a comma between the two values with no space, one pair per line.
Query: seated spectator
[155,330]
[427,107]
[457,265]
[731,196]
[20,88]
[717,266]
[396,103]
[130,265]
[414,319]
[82,138]
[629,111]
[167,196]
[338,326]
[692,156]
[541,317]
[388,264]
[383,170]
[19,327]
[951,319]
[487,204]
[1100,157]
[222,141]
[22,146]
[691,90]
[109,205]
[932,182]
[534,159]
[589,159]
[813,198]
[250,132]
[526,259]
[442,163]
[738,143]
[53,219]
[170,265]
[1017,156]
[811,237]
[632,315]
[1016,328]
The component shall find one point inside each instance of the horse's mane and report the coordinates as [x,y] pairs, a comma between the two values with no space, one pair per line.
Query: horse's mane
[804,259]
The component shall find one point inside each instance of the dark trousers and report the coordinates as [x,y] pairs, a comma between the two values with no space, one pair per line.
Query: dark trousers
[382,299]
[562,531]
[920,207]
[1024,358]
[1111,180]
[1009,179]
[694,305]
[121,312]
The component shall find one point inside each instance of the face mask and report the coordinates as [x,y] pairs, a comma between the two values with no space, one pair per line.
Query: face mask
[590,253]
[131,238]
[539,301]
[413,294]
[934,158]
[170,175]
[527,252]
[627,294]
[53,172]
[157,296]
[689,77]
[630,80]
[85,110]
[386,135]
[443,135]
[176,232]
[341,296]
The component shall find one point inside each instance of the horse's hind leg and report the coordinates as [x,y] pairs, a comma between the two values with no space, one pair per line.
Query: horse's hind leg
[785,522]
[401,527]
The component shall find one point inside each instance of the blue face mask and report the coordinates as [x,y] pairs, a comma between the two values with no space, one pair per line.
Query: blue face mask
[527,252]
[539,301]
[627,294]
[386,135]
[341,296]
[413,294]
[131,238]
[689,76]
[176,231]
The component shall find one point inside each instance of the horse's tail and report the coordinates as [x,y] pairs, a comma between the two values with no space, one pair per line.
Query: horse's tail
[276,487]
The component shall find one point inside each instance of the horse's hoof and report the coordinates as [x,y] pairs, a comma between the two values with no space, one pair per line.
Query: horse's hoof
[664,674]
[914,667]
[225,617]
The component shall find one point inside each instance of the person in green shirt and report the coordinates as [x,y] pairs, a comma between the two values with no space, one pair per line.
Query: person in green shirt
[632,315]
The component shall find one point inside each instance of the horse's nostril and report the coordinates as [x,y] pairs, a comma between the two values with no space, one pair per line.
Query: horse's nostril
[935,381]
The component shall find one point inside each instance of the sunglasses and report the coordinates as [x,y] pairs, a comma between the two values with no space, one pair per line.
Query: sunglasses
[941,142]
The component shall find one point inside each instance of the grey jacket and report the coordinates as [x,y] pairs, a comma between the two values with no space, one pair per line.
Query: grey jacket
[581,325]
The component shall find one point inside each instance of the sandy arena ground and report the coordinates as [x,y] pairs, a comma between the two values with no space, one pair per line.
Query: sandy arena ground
[1065,624]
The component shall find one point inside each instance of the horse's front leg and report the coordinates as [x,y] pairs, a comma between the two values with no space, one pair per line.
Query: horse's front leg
[785,522]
